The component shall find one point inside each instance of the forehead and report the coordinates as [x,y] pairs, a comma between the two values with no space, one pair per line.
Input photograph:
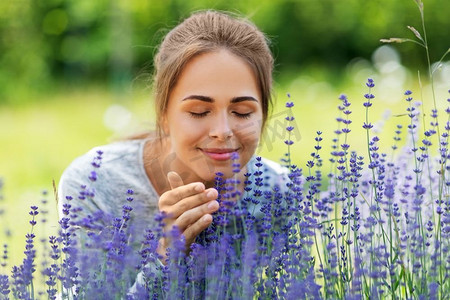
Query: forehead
[219,74]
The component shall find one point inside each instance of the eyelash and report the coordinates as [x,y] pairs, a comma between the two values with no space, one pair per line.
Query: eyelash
[243,116]
[204,114]
[198,115]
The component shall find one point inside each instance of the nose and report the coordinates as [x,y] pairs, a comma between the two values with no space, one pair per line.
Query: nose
[221,128]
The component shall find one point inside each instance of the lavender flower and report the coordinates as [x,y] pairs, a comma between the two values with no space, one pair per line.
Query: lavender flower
[378,229]
[4,286]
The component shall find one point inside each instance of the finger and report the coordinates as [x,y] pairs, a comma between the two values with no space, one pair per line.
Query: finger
[187,203]
[179,193]
[191,216]
[194,201]
[174,180]
[195,229]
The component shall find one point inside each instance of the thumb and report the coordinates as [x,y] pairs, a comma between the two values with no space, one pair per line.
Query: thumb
[174,180]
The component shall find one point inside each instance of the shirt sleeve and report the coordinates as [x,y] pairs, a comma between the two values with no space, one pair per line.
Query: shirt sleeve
[105,192]
[74,188]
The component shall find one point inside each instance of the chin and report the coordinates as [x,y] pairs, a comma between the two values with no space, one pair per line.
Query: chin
[227,173]
[207,171]
[211,176]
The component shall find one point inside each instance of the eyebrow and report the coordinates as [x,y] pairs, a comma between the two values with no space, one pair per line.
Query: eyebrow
[211,100]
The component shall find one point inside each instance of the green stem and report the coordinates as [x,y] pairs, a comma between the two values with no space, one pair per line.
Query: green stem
[373,184]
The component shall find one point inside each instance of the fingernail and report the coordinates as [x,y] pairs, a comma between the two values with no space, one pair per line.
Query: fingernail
[211,194]
[213,205]
[198,188]
[206,218]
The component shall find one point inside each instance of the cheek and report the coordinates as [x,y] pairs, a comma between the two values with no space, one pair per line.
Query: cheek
[185,134]
[249,132]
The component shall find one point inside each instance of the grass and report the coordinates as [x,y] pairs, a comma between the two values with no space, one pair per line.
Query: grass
[38,141]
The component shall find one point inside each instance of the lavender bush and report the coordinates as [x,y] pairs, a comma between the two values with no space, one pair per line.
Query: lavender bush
[376,225]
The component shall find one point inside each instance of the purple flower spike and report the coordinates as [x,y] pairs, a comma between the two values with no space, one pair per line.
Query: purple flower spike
[370,83]
[369,96]
[234,156]
[93,176]
[4,286]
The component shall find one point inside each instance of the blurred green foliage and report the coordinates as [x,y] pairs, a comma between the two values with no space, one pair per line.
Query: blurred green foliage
[48,43]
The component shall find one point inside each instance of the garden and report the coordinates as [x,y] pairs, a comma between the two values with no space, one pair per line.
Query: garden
[365,215]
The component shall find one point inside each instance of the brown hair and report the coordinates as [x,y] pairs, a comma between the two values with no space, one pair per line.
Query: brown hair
[208,31]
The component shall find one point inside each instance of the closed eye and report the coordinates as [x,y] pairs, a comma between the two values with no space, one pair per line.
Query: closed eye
[242,116]
[198,115]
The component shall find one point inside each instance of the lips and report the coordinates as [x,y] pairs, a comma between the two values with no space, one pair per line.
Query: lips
[220,154]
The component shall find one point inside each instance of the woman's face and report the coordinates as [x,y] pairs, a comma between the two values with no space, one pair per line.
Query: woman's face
[213,110]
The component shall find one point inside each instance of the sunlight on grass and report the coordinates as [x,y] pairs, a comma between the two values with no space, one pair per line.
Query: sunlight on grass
[38,141]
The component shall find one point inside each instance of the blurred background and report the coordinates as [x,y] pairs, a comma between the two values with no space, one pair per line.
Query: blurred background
[75,74]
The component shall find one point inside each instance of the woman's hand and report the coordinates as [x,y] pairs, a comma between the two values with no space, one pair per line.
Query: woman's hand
[188,207]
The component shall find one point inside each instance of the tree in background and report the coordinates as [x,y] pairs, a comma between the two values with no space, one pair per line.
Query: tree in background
[46,43]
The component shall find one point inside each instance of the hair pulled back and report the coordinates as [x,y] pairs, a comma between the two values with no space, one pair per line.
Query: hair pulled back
[204,32]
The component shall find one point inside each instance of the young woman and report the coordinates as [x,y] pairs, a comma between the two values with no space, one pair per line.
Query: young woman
[212,82]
